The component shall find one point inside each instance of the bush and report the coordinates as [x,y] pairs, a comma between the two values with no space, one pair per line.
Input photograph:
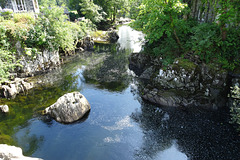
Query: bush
[203,41]
[24,18]
[235,108]
[52,30]
[73,16]
[1,19]
[7,64]
[7,13]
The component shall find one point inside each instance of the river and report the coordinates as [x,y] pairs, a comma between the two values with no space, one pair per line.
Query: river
[120,126]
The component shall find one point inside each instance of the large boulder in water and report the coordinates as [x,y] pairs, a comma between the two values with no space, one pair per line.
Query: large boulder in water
[11,152]
[69,108]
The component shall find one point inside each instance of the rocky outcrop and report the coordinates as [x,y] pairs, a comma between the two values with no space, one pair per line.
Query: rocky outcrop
[4,108]
[13,153]
[113,36]
[11,89]
[69,108]
[184,83]
[234,98]
[110,36]
[34,62]
[86,44]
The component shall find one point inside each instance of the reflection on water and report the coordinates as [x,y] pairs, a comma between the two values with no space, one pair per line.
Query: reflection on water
[119,125]
[130,39]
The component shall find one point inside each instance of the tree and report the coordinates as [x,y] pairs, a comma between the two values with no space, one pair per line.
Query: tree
[160,18]
[112,7]
[91,11]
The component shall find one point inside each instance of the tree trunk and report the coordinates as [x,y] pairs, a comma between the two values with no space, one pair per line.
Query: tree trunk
[175,34]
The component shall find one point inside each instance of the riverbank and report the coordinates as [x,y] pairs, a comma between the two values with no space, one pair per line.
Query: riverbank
[188,82]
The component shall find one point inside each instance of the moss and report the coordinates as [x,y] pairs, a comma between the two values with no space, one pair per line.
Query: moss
[184,63]
[6,139]
[98,34]
[236,70]
[216,68]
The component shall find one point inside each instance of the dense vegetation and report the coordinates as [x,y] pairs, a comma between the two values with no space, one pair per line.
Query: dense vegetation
[174,28]
[50,30]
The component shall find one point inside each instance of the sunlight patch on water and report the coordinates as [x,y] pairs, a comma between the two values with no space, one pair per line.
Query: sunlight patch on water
[115,139]
[172,153]
[120,125]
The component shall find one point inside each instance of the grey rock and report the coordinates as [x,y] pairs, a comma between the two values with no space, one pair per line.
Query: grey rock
[69,108]
[113,36]
[181,83]
[11,89]
[4,108]
[36,62]
[86,44]
[13,153]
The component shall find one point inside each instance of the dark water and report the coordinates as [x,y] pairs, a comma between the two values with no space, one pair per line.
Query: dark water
[120,126]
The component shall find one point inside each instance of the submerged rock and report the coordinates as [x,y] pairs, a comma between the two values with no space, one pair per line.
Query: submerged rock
[69,108]
[13,153]
[4,108]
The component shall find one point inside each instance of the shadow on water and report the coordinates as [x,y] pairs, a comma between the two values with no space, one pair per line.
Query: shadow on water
[198,134]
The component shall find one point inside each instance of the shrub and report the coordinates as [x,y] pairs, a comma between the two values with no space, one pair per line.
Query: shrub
[52,30]
[73,16]
[24,18]
[1,19]
[235,108]
[203,41]
[7,13]
[7,64]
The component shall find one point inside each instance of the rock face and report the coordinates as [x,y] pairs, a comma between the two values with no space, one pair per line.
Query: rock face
[11,89]
[69,108]
[184,83]
[4,108]
[34,62]
[13,153]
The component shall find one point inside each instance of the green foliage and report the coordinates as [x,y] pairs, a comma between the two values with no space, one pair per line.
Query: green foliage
[7,13]
[235,108]
[3,37]
[204,41]
[47,3]
[7,64]
[73,16]
[52,30]
[24,18]
[91,11]
[1,19]
[170,33]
